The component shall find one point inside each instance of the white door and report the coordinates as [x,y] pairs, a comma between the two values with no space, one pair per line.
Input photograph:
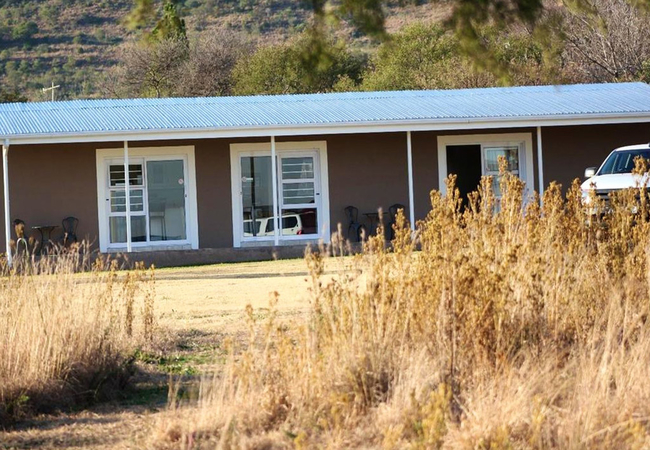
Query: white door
[116,201]
[299,192]
[301,198]
[299,195]
[158,196]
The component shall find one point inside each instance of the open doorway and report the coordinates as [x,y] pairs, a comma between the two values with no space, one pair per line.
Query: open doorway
[476,155]
[465,162]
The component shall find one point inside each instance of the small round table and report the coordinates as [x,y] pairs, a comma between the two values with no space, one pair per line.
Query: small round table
[46,236]
[374,220]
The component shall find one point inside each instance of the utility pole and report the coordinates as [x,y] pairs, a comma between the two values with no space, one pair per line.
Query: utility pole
[52,89]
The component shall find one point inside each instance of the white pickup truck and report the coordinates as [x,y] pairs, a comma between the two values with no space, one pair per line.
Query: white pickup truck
[616,172]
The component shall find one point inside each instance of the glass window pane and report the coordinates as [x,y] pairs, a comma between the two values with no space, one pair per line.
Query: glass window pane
[118,201]
[166,197]
[298,221]
[492,158]
[298,193]
[138,229]
[257,195]
[289,220]
[117,229]
[297,168]
[116,175]
[249,229]
[137,200]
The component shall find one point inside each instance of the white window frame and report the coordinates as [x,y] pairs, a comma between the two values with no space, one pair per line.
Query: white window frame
[523,140]
[132,187]
[107,156]
[282,182]
[282,149]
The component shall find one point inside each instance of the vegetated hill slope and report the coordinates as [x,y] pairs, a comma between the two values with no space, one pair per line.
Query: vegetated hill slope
[71,42]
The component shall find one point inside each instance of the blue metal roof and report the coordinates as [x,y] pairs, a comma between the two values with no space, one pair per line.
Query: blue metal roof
[97,117]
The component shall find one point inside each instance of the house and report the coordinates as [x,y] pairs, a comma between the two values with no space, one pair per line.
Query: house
[208,176]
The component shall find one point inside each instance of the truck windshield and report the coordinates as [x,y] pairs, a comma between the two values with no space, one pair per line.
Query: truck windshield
[622,161]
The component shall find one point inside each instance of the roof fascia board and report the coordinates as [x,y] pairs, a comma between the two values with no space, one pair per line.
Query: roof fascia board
[340,128]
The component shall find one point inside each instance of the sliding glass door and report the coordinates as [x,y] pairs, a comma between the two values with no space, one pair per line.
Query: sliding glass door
[257,195]
[298,189]
[298,195]
[157,195]
[117,202]
[166,200]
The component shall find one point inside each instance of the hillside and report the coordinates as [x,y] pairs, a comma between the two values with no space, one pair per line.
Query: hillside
[72,42]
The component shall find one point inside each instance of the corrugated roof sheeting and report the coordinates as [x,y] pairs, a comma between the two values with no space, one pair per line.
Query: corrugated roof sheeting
[133,115]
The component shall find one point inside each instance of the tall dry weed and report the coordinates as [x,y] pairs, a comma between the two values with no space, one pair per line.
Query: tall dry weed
[66,337]
[516,322]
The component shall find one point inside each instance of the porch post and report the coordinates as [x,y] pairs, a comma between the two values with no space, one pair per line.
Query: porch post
[5,179]
[540,161]
[409,157]
[127,196]
[274,178]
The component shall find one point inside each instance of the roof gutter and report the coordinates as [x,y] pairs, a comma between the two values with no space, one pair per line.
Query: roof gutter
[330,128]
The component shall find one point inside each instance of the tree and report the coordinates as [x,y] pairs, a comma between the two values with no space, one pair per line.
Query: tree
[212,59]
[425,56]
[24,31]
[8,96]
[415,58]
[271,70]
[468,19]
[282,69]
[607,41]
[141,15]
[166,23]
[368,17]
[149,69]
[173,67]
[154,66]
[171,25]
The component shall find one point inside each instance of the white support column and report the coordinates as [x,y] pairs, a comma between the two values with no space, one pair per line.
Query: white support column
[540,161]
[274,178]
[409,157]
[127,196]
[5,179]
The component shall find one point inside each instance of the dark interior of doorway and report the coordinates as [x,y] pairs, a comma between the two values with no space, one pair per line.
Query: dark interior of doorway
[465,161]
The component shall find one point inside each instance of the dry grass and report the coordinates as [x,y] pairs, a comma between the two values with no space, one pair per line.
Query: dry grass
[66,338]
[196,307]
[211,299]
[506,330]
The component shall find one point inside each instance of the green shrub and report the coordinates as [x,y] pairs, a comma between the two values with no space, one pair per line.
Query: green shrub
[291,68]
[24,31]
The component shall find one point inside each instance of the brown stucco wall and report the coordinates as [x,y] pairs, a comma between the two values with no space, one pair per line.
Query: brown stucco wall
[568,151]
[366,171]
[425,162]
[213,198]
[425,170]
[49,182]
[370,170]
